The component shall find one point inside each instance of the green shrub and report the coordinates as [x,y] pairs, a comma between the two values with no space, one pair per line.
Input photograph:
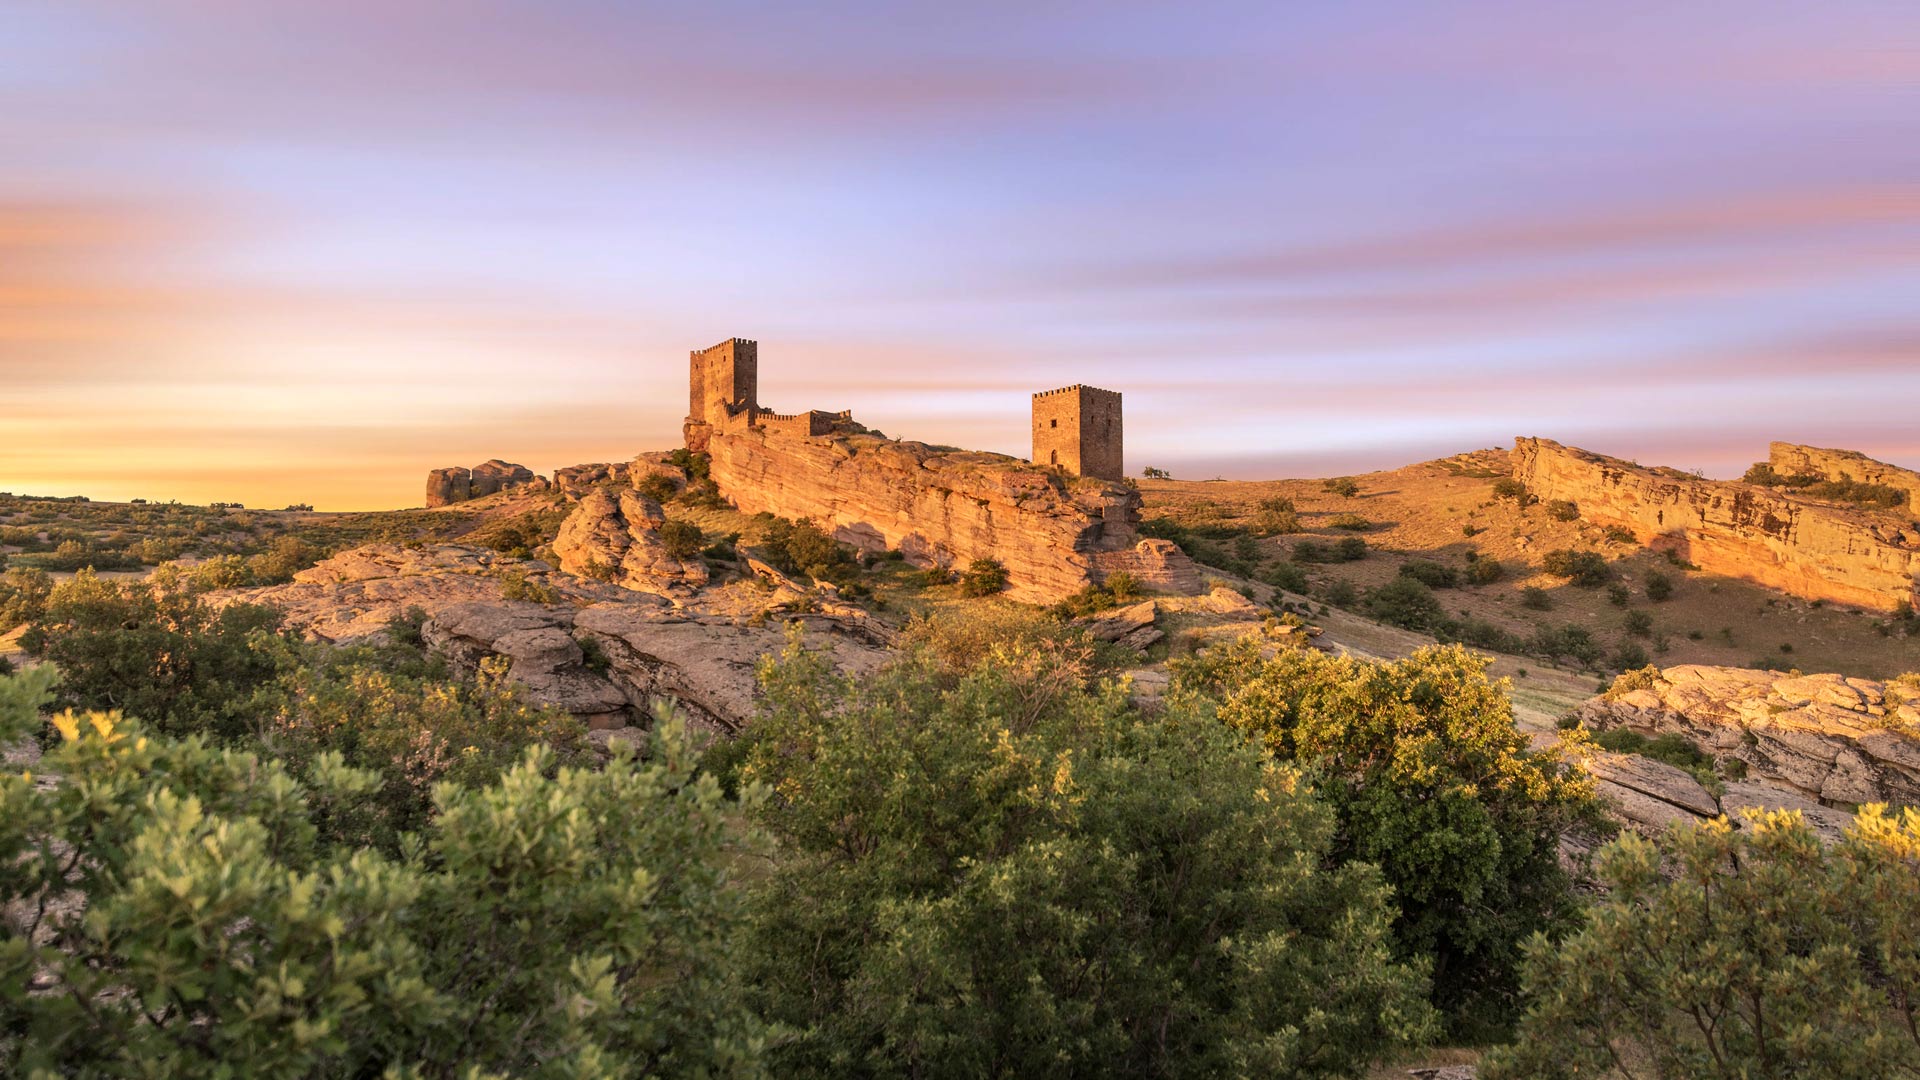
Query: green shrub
[1562,510]
[1620,534]
[1735,951]
[1568,642]
[1404,602]
[1431,574]
[1340,592]
[1483,571]
[1123,585]
[1659,586]
[1629,655]
[681,539]
[1619,595]
[985,577]
[1587,569]
[1639,624]
[1350,522]
[554,923]
[1535,598]
[1513,489]
[659,487]
[1285,575]
[23,596]
[1276,522]
[801,547]
[1047,884]
[519,585]
[1344,486]
[167,656]
[1431,781]
[1349,549]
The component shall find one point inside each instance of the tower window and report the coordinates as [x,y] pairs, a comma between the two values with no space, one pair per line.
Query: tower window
[1055,423]
[1055,458]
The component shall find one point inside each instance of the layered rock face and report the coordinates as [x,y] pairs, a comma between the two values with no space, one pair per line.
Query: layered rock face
[1807,740]
[1806,548]
[1055,534]
[1792,459]
[446,487]
[580,479]
[618,540]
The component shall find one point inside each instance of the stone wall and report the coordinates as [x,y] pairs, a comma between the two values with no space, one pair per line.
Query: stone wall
[1056,534]
[1792,459]
[1809,549]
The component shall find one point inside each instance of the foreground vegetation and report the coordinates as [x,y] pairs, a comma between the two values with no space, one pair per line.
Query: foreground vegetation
[247,855]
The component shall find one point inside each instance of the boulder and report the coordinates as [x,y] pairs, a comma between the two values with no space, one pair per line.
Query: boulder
[1120,622]
[1225,601]
[497,475]
[577,480]
[448,486]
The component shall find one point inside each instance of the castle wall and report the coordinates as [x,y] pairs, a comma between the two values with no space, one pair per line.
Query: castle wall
[1055,534]
[1739,530]
[1792,459]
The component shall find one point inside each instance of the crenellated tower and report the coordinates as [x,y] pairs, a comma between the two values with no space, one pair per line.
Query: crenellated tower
[723,382]
[1078,428]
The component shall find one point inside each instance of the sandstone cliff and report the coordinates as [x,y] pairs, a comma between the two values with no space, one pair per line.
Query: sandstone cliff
[1792,459]
[1055,533]
[1806,548]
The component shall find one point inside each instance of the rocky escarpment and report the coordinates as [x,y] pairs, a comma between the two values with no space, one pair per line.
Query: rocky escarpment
[446,487]
[1829,738]
[599,651]
[1792,459]
[1055,533]
[617,538]
[1806,548]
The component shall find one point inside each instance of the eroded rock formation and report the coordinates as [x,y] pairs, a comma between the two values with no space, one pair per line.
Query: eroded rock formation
[1809,742]
[1810,549]
[1055,533]
[645,647]
[456,485]
[617,539]
[1792,459]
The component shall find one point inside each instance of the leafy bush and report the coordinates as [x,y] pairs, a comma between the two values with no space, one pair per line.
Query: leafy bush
[1845,489]
[1735,952]
[569,923]
[1628,656]
[23,596]
[519,585]
[1620,534]
[1639,624]
[801,547]
[1587,569]
[1123,585]
[657,486]
[681,539]
[1431,574]
[1344,486]
[1659,586]
[1350,522]
[1483,571]
[1562,510]
[285,557]
[985,577]
[1512,489]
[1045,883]
[169,657]
[1568,642]
[1349,549]
[1285,575]
[1431,781]
[1276,522]
[1619,595]
[1405,602]
[1535,598]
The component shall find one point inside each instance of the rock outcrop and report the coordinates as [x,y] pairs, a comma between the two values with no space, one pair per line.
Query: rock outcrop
[448,486]
[577,480]
[1807,548]
[643,647]
[1792,459]
[1821,739]
[1056,534]
[617,539]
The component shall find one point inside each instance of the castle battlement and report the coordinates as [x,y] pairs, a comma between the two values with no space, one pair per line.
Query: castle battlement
[1076,388]
[1078,428]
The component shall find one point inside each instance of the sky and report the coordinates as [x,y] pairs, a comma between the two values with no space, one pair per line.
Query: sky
[277,252]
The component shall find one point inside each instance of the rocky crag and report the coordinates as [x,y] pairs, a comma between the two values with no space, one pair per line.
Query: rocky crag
[1055,533]
[599,651]
[1804,547]
[1792,459]
[1820,744]
[616,537]
[448,486]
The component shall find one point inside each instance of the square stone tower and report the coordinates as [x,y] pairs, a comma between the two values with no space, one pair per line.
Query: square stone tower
[722,382]
[1078,429]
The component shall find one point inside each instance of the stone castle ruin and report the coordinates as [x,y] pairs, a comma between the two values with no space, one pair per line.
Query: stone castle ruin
[1062,522]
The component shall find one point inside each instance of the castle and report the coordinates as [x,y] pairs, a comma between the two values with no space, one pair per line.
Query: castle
[1076,428]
